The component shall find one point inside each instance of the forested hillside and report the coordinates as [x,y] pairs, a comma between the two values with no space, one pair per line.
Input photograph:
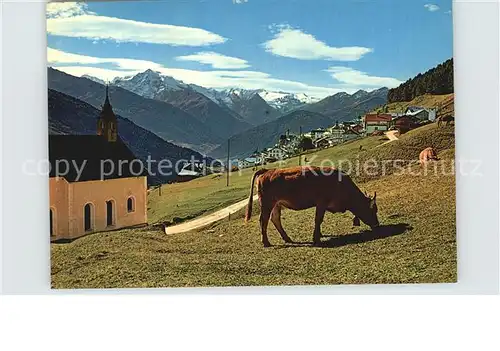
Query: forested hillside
[436,81]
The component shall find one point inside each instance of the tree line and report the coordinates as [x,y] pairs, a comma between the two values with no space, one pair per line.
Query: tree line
[437,81]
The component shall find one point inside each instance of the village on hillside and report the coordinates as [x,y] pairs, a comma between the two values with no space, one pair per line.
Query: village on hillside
[290,145]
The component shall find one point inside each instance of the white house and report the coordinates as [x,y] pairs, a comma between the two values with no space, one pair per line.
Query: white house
[317,133]
[277,153]
[336,134]
[247,162]
[421,113]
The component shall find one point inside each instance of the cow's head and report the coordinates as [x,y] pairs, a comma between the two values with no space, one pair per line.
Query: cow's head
[368,212]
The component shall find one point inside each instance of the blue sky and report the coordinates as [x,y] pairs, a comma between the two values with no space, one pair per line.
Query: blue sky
[318,47]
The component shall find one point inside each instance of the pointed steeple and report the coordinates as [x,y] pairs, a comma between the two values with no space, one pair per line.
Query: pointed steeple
[107,123]
[106,101]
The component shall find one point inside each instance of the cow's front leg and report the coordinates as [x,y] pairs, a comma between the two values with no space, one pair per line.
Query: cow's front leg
[265,213]
[318,219]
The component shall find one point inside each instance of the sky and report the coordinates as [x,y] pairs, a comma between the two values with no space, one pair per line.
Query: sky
[316,47]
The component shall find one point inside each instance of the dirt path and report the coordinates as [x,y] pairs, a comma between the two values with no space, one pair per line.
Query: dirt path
[392,135]
[208,219]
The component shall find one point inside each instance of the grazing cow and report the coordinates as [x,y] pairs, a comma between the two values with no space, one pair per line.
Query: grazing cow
[428,155]
[299,188]
[448,119]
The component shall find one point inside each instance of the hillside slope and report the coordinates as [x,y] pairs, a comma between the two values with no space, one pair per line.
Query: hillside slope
[436,81]
[68,115]
[416,242]
[445,104]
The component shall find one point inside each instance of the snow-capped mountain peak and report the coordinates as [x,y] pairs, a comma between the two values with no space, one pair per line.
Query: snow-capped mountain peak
[152,84]
[149,83]
[284,102]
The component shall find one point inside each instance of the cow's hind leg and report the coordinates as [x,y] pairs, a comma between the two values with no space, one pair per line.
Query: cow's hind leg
[276,219]
[320,214]
[265,213]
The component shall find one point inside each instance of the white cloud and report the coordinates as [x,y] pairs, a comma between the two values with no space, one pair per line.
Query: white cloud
[353,77]
[79,65]
[60,57]
[73,20]
[431,7]
[215,60]
[66,9]
[239,1]
[294,43]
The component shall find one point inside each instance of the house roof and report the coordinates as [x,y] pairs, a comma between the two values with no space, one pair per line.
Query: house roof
[188,172]
[410,116]
[97,156]
[374,117]
[321,139]
[414,112]
[414,108]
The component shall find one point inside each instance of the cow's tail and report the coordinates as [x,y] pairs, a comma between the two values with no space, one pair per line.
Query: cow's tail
[248,213]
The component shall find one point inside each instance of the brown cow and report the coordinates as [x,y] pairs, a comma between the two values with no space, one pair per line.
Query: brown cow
[299,188]
[448,119]
[427,155]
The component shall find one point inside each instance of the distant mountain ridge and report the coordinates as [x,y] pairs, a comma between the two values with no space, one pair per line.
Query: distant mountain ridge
[203,118]
[247,110]
[154,85]
[286,102]
[343,106]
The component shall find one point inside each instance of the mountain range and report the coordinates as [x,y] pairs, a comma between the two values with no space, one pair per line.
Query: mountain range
[203,119]
[232,110]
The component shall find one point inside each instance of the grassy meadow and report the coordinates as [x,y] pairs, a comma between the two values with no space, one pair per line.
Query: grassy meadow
[211,193]
[415,244]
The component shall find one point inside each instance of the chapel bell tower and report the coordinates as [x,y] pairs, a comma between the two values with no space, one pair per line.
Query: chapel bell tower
[106,123]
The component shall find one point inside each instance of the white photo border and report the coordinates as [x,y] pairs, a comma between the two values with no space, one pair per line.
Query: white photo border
[25,249]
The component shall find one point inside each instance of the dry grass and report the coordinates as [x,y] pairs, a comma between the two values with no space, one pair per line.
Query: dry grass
[415,245]
[210,193]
